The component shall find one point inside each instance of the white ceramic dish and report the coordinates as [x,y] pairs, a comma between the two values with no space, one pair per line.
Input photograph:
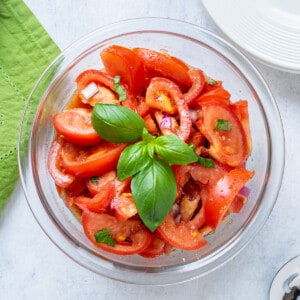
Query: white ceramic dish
[267,30]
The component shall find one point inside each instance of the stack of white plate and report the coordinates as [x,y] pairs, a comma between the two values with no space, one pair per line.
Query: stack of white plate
[267,30]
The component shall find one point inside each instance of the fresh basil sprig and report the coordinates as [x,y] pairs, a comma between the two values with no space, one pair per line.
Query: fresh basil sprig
[153,184]
[116,123]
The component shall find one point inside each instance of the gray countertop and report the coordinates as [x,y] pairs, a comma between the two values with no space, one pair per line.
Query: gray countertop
[31,267]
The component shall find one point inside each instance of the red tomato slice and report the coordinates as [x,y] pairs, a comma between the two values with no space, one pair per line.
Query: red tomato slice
[209,86]
[98,203]
[162,93]
[240,108]
[60,177]
[124,206]
[121,61]
[215,93]
[92,162]
[222,194]
[228,147]
[151,124]
[156,248]
[198,82]
[165,64]
[101,200]
[75,126]
[208,176]
[131,236]
[181,235]
[237,204]
[93,76]
[122,202]
[96,184]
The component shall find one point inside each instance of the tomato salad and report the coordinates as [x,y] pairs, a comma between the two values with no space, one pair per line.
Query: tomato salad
[150,153]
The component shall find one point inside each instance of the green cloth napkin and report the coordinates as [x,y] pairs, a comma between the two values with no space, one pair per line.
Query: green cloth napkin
[25,51]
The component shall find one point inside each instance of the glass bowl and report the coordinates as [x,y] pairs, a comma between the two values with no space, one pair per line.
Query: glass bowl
[198,48]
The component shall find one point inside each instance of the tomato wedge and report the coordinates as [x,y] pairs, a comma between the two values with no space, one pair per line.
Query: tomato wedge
[165,64]
[228,147]
[122,61]
[131,236]
[91,162]
[75,126]
[56,171]
[162,93]
[182,235]
[222,194]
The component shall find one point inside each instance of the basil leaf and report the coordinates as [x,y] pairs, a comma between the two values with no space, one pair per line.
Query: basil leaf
[103,236]
[94,179]
[222,124]
[119,89]
[154,192]
[147,137]
[132,160]
[175,151]
[206,162]
[116,123]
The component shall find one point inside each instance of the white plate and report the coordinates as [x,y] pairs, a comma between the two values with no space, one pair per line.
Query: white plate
[267,30]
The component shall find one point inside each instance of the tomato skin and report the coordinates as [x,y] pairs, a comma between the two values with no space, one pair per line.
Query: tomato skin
[181,235]
[208,176]
[222,194]
[214,93]
[176,103]
[240,108]
[94,162]
[98,203]
[165,64]
[156,248]
[96,76]
[133,229]
[75,126]
[96,184]
[198,82]
[228,147]
[124,206]
[103,196]
[122,61]
[56,171]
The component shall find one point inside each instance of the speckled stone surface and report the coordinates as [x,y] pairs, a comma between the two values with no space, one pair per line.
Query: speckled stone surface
[31,267]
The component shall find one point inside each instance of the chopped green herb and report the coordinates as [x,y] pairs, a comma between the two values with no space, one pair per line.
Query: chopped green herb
[119,89]
[94,179]
[222,124]
[104,236]
[212,82]
[206,162]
